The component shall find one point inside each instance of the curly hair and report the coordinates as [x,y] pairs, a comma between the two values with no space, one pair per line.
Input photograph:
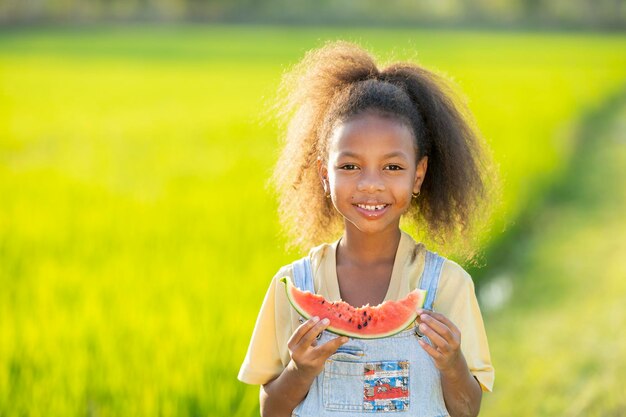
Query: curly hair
[341,81]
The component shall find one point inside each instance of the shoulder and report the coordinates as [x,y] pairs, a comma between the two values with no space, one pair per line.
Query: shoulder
[316,256]
[319,253]
[453,275]
[283,271]
[455,289]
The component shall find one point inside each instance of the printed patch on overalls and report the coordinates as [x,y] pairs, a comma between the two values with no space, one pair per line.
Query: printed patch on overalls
[386,386]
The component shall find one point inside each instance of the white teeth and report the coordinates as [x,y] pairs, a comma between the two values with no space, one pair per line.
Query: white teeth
[372,208]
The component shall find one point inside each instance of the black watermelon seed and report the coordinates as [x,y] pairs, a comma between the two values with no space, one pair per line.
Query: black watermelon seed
[364,324]
[364,313]
[323,301]
[339,314]
[360,326]
[350,320]
[369,318]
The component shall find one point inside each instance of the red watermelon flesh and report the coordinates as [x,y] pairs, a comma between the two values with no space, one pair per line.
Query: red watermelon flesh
[383,320]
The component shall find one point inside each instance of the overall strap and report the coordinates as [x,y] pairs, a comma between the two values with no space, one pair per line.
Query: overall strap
[430,277]
[303,275]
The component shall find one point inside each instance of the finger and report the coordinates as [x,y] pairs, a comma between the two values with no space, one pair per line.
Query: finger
[420,312]
[443,319]
[438,326]
[432,352]
[435,338]
[331,346]
[301,331]
[418,319]
[311,336]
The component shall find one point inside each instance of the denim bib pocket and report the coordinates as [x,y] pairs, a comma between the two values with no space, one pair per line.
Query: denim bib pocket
[343,384]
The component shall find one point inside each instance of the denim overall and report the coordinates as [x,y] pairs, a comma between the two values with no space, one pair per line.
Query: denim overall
[392,374]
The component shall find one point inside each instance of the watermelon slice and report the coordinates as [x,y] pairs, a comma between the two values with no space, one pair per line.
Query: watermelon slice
[383,320]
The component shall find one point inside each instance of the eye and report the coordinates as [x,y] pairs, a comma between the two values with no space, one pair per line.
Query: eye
[394,167]
[348,167]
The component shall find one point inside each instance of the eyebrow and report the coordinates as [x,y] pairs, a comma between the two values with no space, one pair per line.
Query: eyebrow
[348,154]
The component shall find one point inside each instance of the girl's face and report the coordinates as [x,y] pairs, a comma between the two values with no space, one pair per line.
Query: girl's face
[372,172]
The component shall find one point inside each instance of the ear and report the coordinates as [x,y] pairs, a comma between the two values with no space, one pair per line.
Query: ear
[420,174]
[322,170]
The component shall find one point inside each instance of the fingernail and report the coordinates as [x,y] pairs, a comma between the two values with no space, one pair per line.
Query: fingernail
[344,340]
[316,319]
[326,321]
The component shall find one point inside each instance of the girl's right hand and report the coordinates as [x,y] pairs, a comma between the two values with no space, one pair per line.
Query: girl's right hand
[306,356]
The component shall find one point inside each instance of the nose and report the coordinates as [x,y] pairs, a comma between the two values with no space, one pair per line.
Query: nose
[370,182]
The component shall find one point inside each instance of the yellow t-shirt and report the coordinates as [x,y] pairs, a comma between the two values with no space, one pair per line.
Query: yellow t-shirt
[268,355]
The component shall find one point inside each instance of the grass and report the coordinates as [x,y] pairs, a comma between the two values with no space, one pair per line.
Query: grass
[567,304]
[136,236]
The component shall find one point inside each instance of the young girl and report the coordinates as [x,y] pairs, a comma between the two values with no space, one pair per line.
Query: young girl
[366,147]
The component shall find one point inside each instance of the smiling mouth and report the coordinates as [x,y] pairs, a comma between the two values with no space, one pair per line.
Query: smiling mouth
[376,207]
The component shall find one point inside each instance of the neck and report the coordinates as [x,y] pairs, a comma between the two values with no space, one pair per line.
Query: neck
[358,248]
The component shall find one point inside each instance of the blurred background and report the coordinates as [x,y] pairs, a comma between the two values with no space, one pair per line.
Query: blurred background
[137,235]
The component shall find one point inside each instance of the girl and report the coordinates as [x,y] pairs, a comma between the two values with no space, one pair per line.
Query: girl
[364,148]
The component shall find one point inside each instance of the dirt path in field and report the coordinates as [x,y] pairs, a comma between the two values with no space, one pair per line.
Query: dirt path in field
[557,343]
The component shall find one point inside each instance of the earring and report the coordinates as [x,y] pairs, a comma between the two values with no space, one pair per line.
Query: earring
[326,192]
[415,195]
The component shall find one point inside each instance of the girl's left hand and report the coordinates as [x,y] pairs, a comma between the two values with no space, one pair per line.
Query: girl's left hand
[445,338]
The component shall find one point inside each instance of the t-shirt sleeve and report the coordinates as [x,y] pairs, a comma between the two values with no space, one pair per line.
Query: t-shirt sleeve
[456,298]
[263,361]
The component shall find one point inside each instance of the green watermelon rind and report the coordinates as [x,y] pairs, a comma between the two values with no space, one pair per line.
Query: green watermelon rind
[288,285]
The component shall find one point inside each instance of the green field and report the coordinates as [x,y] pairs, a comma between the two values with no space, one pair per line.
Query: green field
[557,345]
[137,237]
